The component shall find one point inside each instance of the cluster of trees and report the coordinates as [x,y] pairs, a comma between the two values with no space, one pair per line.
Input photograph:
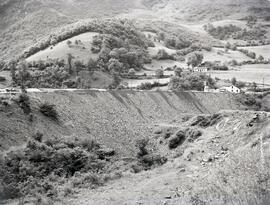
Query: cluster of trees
[52,76]
[119,28]
[237,83]
[117,55]
[235,32]
[176,42]
[195,47]
[252,34]
[222,32]
[191,81]
[251,21]
[248,53]
[194,59]
[163,55]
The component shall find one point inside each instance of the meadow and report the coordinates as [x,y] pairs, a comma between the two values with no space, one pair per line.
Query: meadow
[247,73]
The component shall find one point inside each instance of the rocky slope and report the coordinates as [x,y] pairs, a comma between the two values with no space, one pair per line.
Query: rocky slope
[116,119]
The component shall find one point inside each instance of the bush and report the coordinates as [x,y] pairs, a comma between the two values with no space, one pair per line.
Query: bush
[146,159]
[177,139]
[48,110]
[159,73]
[2,79]
[182,135]
[24,103]
[41,166]
[206,121]
[141,145]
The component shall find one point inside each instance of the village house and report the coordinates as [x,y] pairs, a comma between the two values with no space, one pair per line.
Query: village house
[201,69]
[231,89]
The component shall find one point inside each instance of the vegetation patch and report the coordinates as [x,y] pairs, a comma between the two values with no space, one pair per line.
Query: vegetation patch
[24,102]
[207,121]
[191,81]
[41,166]
[182,135]
[48,110]
[147,159]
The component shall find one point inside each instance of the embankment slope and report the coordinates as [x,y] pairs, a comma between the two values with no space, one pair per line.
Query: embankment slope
[116,118]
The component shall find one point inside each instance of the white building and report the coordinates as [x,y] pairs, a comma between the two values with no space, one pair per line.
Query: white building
[231,89]
[201,69]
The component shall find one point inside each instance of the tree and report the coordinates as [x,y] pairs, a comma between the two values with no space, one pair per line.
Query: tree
[178,71]
[159,73]
[69,61]
[195,59]
[116,81]
[161,36]
[251,21]
[23,74]
[170,42]
[115,66]
[234,81]
[254,86]
[69,43]
[260,58]
[91,66]
[78,66]
[12,67]
[163,55]
[132,72]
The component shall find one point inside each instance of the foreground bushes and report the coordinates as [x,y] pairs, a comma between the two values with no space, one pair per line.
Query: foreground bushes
[37,168]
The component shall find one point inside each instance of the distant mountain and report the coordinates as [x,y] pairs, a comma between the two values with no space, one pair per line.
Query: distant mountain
[23,22]
[198,10]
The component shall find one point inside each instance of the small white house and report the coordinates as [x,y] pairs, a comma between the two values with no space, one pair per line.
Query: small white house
[231,89]
[201,69]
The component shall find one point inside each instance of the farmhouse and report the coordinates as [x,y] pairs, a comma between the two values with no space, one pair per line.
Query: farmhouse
[231,89]
[201,69]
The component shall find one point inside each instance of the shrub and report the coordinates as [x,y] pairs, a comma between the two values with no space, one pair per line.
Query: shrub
[206,121]
[146,158]
[24,103]
[48,110]
[182,135]
[159,73]
[2,79]
[178,139]
[145,86]
[141,145]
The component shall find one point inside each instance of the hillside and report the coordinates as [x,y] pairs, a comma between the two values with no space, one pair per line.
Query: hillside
[208,164]
[228,164]
[205,10]
[23,23]
[115,118]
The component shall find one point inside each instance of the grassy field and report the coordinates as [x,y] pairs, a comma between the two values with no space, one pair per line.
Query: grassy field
[260,50]
[82,51]
[246,73]
[218,54]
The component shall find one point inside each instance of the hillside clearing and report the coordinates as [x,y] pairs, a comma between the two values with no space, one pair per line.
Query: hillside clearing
[82,51]
[246,73]
[259,50]
[219,54]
